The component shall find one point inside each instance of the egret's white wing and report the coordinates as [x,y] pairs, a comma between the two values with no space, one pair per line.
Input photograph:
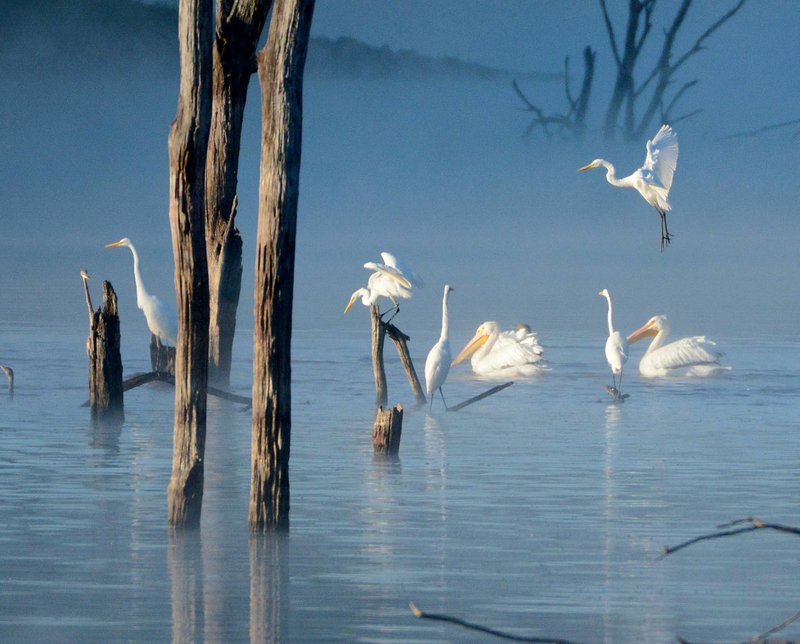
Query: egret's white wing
[437,366]
[162,320]
[616,351]
[395,262]
[685,352]
[662,155]
[389,271]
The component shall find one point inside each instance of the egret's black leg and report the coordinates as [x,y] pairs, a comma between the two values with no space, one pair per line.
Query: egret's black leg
[396,311]
[446,408]
[665,236]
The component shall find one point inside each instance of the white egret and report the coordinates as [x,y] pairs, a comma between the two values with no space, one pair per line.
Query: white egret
[387,280]
[506,354]
[437,364]
[654,179]
[162,320]
[692,356]
[616,347]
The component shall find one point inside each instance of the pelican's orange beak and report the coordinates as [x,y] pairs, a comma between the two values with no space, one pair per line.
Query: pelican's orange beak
[647,331]
[472,346]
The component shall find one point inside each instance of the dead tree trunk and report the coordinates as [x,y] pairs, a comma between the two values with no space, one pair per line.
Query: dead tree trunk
[105,361]
[280,72]
[378,339]
[239,26]
[188,142]
[400,340]
[162,357]
[387,430]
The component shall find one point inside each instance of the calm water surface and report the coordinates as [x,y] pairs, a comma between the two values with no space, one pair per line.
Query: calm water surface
[541,510]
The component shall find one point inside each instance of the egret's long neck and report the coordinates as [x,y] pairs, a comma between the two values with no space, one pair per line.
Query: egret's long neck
[611,174]
[443,336]
[141,293]
[610,316]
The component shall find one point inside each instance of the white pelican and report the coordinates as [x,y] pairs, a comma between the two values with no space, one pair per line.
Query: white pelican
[654,179]
[616,348]
[505,354]
[437,364]
[162,320]
[387,280]
[694,356]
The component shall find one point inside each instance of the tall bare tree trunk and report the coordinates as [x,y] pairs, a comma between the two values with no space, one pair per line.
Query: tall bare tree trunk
[280,72]
[188,142]
[239,26]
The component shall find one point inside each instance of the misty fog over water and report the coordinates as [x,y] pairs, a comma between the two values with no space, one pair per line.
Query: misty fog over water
[538,508]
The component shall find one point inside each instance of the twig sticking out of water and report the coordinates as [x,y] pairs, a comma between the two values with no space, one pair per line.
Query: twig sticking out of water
[485,394]
[728,530]
[418,612]
[763,637]
[10,375]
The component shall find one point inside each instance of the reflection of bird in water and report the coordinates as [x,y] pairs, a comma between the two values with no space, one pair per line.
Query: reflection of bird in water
[437,364]
[503,354]
[654,179]
[162,320]
[693,356]
[391,279]
[616,348]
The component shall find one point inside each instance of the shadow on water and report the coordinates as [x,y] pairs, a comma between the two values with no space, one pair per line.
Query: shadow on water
[269,583]
[104,433]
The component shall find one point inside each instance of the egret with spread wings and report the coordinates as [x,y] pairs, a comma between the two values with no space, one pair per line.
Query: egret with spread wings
[654,179]
[391,279]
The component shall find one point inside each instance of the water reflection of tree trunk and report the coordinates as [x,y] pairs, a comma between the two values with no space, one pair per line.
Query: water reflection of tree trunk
[186,578]
[269,580]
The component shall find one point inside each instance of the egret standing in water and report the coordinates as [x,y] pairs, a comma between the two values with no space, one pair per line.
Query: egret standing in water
[654,179]
[437,364]
[616,349]
[162,320]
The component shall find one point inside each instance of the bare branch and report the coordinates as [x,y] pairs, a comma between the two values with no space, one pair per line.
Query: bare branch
[730,531]
[761,130]
[698,45]
[610,29]
[531,106]
[775,629]
[482,629]
[648,24]
[676,98]
[567,91]
[686,116]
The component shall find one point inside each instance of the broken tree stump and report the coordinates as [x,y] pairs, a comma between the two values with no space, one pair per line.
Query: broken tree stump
[162,357]
[400,340]
[387,430]
[105,361]
[378,337]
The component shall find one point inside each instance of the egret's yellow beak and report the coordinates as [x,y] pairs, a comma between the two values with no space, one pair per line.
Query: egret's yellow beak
[119,243]
[647,331]
[350,303]
[472,346]
[587,167]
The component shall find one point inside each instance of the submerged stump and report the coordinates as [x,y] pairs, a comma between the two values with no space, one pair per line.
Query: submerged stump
[387,430]
[162,357]
[105,361]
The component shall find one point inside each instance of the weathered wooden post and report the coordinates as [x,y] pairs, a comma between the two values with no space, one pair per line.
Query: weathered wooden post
[280,73]
[400,340]
[162,357]
[387,429]
[105,361]
[378,337]
[188,142]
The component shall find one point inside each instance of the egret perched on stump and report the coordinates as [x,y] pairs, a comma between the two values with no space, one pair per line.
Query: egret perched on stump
[654,179]
[616,349]
[437,364]
[162,320]
[391,279]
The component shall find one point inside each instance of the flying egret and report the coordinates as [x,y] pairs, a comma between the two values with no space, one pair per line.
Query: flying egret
[162,320]
[616,348]
[654,179]
[387,280]
[693,356]
[503,354]
[437,364]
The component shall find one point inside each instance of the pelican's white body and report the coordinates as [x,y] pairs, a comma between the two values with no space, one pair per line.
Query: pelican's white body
[691,356]
[504,354]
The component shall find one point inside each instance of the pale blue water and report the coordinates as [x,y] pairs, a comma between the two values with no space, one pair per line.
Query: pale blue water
[541,510]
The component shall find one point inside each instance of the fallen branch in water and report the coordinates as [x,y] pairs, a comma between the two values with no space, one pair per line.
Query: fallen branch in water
[418,612]
[485,394]
[10,375]
[729,531]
